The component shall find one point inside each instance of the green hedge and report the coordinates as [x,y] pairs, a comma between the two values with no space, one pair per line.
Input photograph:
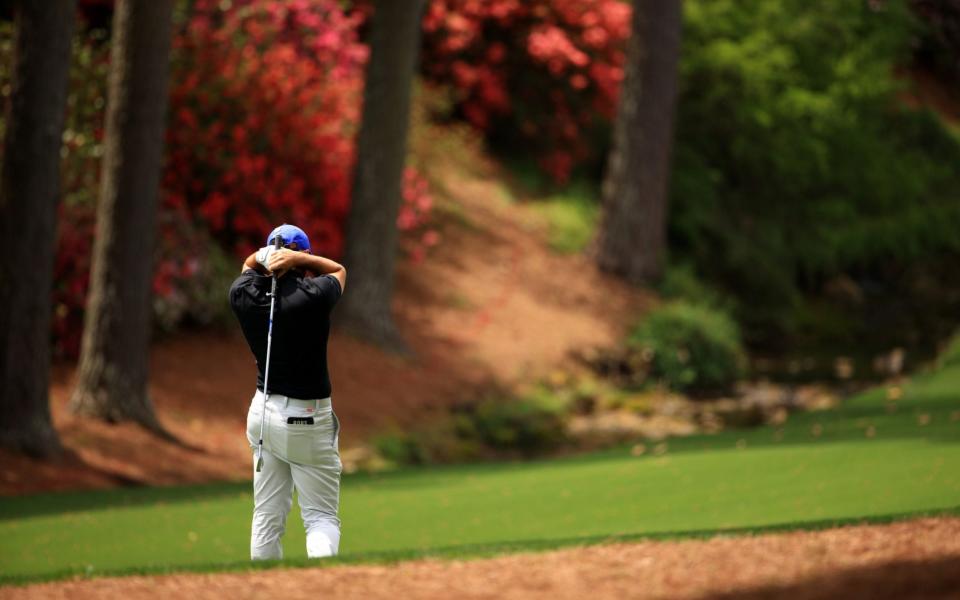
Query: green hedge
[690,347]
[495,428]
[795,158]
[951,356]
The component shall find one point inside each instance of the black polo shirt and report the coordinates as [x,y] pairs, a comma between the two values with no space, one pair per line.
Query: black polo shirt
[301,326]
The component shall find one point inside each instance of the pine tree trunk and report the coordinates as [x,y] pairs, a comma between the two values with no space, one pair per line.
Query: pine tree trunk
[633,232]
[29,192]
[381,149]
[114,360]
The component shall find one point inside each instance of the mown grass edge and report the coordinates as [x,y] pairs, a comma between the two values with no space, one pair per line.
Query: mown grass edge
[473,551]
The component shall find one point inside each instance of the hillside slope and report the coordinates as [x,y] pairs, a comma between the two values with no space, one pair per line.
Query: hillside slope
[490,307]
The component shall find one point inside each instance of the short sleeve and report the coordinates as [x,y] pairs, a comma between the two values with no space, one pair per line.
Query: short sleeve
[325,288]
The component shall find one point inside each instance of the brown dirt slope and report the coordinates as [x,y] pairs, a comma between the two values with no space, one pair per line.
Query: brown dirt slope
[913,559]
[488,308]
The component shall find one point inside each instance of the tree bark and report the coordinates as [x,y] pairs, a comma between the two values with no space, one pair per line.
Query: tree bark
[371,247]
[114,360]
[633,231]
[29,192]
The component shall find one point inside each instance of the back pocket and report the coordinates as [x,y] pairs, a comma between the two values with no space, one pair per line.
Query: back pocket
[300,442]
[298,431]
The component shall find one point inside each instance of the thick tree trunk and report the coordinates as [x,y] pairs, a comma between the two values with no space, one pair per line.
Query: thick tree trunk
[112,382]
[633,233]
[381,149]
[29,192]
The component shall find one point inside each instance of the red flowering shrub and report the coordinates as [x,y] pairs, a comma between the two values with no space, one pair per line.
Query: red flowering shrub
[540,75]
[264,102]
[264,105]
[414,216]
[186,263]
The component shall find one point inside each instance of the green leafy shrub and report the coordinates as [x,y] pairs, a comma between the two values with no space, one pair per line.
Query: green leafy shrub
[525,427]
[951,356]
[681,282]
[437,442]
[796,161]
[690,347]
[397,448]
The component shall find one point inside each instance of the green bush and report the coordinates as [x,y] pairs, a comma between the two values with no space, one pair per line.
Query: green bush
[690,347]
[572,217]
[436,442]
[398,448]
[951,356]
[681,282]
[526,427]
[796,159]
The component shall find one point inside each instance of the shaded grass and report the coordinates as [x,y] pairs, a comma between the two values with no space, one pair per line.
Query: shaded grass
[572,218]
[870,459]
[571,211]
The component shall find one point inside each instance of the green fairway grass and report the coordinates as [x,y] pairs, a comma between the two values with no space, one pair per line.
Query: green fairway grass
[869,458]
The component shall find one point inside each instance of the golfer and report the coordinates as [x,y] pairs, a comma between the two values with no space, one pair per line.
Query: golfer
[300,429]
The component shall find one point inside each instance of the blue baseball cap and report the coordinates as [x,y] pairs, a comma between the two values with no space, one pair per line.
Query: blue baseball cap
[290,234]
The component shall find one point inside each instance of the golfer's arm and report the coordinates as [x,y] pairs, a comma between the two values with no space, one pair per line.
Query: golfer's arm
[323,266]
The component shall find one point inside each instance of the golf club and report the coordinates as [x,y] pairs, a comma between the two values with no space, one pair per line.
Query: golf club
[277,243]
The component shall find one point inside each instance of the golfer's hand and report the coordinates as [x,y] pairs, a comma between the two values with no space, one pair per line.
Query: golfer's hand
[282,260]
[263,256]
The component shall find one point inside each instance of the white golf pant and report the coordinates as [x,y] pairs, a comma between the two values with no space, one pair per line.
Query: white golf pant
[301,454]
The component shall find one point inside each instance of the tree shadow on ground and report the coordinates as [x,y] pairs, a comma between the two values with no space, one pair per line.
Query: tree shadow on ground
[22,507]
[939,578]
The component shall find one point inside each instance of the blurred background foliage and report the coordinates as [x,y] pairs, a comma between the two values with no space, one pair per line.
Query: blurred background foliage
[540,78]
[812,200]
[807,193]
[494,428]
[803,187]
[689,347]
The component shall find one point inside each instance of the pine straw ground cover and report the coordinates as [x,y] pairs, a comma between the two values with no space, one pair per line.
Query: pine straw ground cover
[887,452]
[911,559]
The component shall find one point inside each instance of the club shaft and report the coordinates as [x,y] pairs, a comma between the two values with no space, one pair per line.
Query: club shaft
[266,368]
